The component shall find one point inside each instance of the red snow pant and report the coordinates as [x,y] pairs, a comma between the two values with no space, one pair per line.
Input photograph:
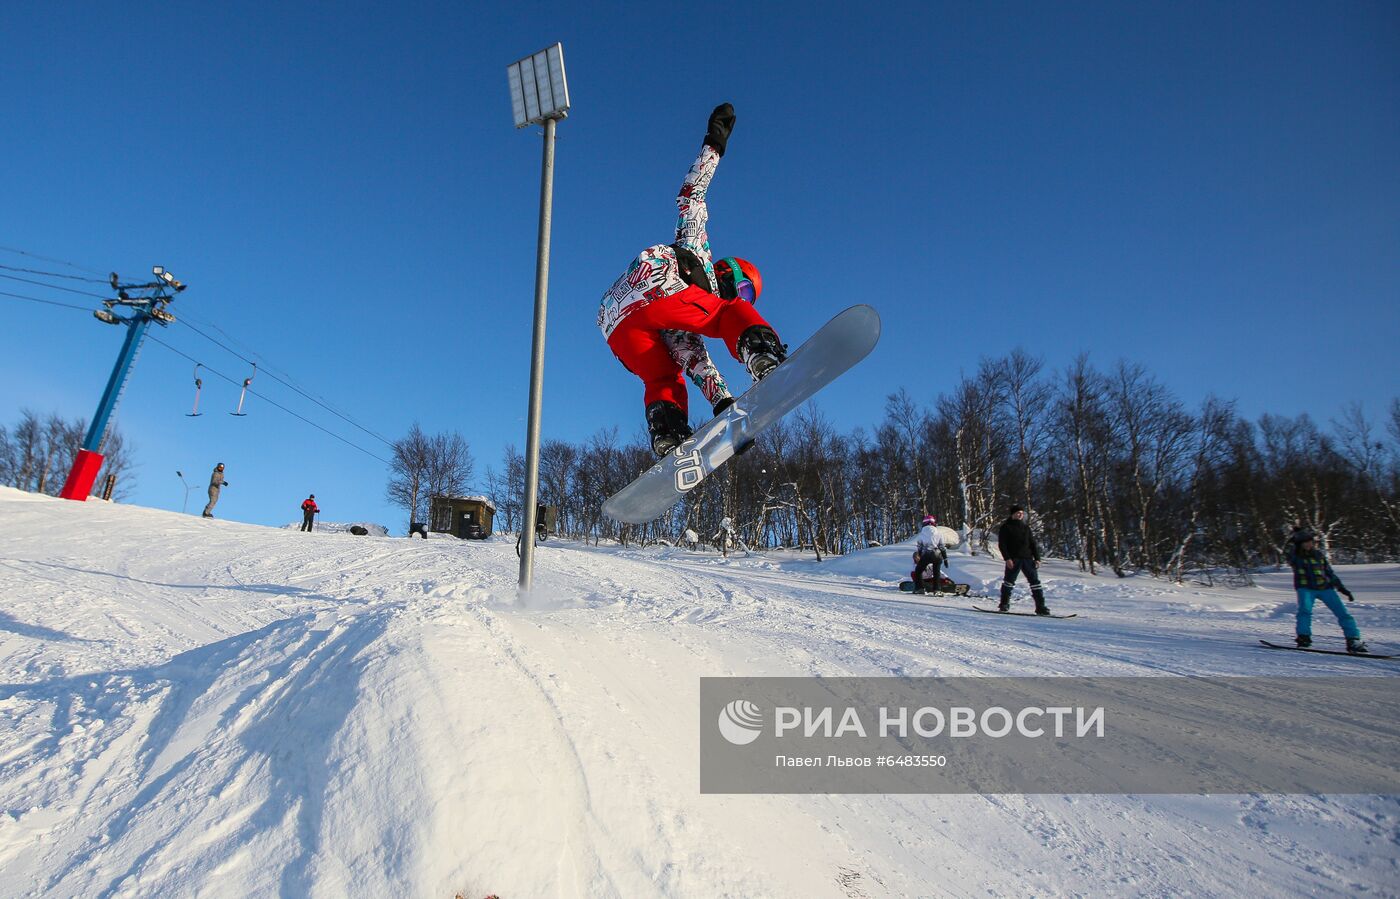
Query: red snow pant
[637,341]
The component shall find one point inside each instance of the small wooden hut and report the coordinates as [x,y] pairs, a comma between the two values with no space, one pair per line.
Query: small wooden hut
[468,517]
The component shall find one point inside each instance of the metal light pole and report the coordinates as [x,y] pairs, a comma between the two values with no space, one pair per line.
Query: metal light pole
[188,487]
[146,309]
[539,96]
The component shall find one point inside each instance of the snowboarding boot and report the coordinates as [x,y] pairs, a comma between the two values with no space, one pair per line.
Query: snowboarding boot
[1042,610]
[722,403]
[1303,641]
[1356,646]
[667,425]
[760,351]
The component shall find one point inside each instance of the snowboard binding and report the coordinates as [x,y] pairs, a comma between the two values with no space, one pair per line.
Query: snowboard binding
[761,351]
[667,425]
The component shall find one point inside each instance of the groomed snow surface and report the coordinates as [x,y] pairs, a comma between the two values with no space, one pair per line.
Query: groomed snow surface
[201,707]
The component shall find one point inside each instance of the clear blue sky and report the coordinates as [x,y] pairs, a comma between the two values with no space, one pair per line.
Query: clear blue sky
[1209,189]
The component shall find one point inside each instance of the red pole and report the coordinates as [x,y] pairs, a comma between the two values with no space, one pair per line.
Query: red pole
[84,474]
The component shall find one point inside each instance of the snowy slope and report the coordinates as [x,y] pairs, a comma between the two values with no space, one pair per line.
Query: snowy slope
[199,707]
[340,527]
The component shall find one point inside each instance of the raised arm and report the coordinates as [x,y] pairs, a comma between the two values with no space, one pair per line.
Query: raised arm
[691,226]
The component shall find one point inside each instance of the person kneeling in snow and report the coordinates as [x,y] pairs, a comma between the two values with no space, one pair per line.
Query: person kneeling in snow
[929,552]
[1314,579]
[672,292]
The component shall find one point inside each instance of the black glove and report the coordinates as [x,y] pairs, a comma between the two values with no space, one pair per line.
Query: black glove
[721,123]
[1345,592]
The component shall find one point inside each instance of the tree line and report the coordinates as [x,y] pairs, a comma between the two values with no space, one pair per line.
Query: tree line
[37,452]
[1114,470]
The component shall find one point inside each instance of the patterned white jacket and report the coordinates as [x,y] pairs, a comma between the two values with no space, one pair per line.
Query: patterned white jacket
[655,273]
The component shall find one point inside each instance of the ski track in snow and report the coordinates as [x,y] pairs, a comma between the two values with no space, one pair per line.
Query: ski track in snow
[193,707]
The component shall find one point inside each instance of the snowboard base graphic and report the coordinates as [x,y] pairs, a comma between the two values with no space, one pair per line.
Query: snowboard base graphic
[827,354]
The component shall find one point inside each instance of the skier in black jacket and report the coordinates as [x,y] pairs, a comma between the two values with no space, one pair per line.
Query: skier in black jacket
[1022,554]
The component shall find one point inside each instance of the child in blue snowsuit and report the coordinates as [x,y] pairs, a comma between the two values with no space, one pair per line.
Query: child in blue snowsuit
[1314,579]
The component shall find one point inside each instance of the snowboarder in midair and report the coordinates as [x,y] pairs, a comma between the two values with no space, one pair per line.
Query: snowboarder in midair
[929,552]
[308,512]
[1022,554]
[652,316]
[216,483]
[1314,579]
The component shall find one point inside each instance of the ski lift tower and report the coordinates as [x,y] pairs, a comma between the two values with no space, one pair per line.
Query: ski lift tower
[144,309]
[538,96]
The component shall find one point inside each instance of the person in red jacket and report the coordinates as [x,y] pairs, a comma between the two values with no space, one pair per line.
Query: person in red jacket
[678,289]
[308,512]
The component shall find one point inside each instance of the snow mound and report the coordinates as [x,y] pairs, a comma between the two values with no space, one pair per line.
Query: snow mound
[201,707]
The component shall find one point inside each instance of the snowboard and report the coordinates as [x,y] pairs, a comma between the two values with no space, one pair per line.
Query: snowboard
[1327,652]
[946,588]
[1023,614]
[827,354]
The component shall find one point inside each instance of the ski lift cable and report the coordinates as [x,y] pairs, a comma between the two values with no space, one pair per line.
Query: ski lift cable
[273,372]
[20,296]
[73,265]
[213,371]
[231,339]
[100,296]
[347,419]
[265,399]
[285,379]
[324,404]
[35,271]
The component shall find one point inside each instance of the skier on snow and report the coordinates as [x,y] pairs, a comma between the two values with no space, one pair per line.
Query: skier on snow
[929,551]
[216,484]
[1022,554]
[308,512]
[673,292]
[1314,579]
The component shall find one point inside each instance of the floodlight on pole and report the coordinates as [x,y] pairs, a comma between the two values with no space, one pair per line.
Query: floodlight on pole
[538,96]
[538,91]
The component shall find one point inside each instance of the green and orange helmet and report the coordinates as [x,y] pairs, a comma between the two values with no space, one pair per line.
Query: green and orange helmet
[738,279]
